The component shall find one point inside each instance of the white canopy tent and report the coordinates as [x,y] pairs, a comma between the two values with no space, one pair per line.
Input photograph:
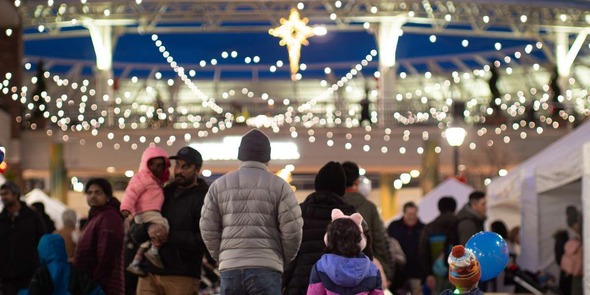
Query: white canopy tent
[53,207]
[540,189]
[428,206]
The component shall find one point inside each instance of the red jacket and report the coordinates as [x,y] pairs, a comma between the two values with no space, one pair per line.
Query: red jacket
[144,191]
[100,248]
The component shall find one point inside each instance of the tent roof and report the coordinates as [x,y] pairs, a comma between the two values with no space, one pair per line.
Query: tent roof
[506,187]
[428,206]
[570,157]
[53,207]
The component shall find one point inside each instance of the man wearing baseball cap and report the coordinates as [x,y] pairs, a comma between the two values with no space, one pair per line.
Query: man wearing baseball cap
[182,254]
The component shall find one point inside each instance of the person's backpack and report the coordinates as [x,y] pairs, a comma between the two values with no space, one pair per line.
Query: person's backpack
[437,244]
[440,267]
[571,261]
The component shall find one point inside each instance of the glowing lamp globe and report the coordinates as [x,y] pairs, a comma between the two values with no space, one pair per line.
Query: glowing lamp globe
[455,136]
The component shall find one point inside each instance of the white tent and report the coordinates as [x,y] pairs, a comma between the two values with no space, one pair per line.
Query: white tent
[428,206]
[53,207]
[542,187]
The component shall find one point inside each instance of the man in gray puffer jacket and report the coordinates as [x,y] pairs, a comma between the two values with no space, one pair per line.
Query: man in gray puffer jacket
[251,222]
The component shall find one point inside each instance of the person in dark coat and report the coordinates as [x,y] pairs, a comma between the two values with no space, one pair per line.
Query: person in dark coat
[182,254]
[20,231]
[56,275]
[39,207]
[471,218]
[100,248]
[406,231]
[316,210]
[433,244]
[370,214]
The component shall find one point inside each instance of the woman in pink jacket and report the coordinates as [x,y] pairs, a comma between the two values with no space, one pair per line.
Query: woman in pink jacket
[143,200]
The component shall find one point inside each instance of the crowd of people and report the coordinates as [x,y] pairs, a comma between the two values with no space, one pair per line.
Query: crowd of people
[247,234]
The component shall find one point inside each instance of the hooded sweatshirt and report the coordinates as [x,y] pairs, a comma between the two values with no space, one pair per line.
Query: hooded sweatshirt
[144,192]
[335,274]
[56,276]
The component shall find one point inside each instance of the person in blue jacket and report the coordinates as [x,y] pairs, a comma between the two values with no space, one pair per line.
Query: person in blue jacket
[56,275]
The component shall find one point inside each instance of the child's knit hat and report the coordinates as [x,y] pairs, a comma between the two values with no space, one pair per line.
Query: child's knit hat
[464,269]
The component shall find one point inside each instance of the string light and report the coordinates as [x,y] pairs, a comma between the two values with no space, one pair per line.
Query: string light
[207,101]
[513,109]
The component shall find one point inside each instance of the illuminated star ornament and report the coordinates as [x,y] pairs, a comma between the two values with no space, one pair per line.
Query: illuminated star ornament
[293,33]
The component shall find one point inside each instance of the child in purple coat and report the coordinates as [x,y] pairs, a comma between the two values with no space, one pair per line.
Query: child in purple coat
[344,269]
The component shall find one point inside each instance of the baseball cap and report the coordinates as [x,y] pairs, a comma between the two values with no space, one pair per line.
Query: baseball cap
[189,155]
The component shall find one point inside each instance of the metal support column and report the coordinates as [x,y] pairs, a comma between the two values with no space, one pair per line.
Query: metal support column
[387,36]
[103,42]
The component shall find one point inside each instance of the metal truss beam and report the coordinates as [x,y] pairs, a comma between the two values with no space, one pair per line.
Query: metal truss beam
[410,64]
[493,18]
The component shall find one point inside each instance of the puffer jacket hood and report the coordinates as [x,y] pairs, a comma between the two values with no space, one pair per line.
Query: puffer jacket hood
[52,249]
[155,152]
[343,271]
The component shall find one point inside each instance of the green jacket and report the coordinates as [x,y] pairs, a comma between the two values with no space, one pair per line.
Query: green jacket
[377,230]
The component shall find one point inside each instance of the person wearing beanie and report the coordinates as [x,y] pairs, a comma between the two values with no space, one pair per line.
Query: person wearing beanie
[316,211]
[255,146]
[330,178]
[251,222]
[344,269]
[464,271]
[361,203]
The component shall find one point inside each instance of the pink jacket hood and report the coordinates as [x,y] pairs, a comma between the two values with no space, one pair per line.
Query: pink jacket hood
[155,152]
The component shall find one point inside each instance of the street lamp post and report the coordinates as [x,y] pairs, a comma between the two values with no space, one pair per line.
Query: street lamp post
[455,137]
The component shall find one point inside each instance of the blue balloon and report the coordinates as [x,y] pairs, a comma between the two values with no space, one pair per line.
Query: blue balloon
[491,251]
[1,156]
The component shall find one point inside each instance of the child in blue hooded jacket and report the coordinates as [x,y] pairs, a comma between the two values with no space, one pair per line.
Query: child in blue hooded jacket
[56,275]
[344,269]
